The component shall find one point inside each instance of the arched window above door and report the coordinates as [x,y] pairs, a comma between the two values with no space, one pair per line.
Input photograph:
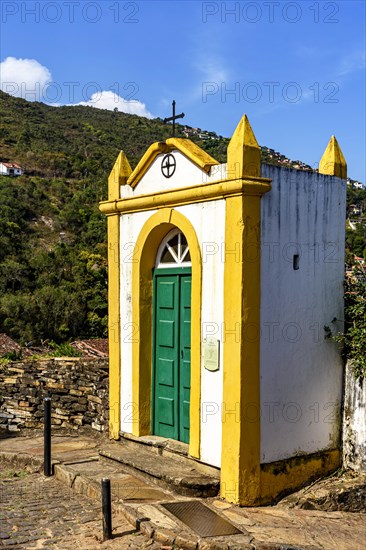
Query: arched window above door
[173,251]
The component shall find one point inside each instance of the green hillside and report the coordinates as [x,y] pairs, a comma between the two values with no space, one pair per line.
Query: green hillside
[53,276]
[53,271]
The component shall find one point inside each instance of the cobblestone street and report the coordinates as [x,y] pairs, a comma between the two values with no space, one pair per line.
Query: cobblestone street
[39,512]
[64,511]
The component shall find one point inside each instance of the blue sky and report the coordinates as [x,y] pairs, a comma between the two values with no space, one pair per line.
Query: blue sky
[296,68]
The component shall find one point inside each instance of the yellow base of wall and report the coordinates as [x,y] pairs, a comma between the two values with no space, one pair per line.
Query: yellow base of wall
[278,479]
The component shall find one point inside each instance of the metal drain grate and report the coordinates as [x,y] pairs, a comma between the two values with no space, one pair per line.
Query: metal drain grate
[201,519]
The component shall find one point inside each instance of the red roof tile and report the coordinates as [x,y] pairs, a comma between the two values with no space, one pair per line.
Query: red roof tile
[97,347]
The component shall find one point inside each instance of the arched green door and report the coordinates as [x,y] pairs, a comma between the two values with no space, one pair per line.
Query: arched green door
[171,352]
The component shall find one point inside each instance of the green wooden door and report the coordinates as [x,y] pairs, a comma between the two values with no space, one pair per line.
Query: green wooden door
[172,353]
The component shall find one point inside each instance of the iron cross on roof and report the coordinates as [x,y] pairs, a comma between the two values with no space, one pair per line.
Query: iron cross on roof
[174,117]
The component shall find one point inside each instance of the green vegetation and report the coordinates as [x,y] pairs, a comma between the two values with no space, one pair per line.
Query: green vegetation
[354,338]
[52,260]
[63,350]
[356,234]
[53,249]
[11,474]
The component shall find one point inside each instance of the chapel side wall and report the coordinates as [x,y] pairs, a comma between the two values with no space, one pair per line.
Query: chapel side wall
[301,369]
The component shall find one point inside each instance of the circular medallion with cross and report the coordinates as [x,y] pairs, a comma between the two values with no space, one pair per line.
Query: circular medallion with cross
[168,165]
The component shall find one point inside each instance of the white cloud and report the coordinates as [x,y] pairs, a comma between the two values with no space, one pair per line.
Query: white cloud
[28,79]
[25,78]
[213,70]
[110,101]
[212,74]
[351,62]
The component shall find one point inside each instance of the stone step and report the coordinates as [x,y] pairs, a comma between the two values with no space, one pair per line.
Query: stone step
[180,476]
[167,447]
[159,445]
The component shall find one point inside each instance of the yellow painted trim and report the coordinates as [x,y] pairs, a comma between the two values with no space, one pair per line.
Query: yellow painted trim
[285,476]
[146,160]
[197,155]
[243,152]
[149,239]
[118,176]
[114,328]
[194,153]
[333,162]
[177,197]
[240,459]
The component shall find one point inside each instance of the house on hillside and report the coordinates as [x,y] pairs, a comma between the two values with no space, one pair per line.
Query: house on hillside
[354,184]
[10,169]
[360,261]
[355,209]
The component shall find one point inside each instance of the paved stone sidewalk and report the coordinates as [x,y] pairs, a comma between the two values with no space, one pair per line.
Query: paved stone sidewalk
[73,520]
[39,512]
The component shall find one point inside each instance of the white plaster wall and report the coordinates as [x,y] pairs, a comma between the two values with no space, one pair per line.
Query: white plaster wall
[130,227]
[301,370]
[354,422]
[186,174]
[208,220]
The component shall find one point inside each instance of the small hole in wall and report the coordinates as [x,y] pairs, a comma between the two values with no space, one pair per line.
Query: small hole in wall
[296,261]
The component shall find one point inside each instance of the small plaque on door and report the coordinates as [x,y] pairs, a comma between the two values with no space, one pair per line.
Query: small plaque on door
[211,353]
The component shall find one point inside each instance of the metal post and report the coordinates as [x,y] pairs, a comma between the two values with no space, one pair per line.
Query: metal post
[47,437]
[106,509]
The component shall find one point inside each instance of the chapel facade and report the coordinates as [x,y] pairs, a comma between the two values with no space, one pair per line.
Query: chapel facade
[222,278]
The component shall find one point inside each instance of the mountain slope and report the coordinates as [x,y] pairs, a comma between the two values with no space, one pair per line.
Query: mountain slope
[76,142]
[53,272]
[53,278]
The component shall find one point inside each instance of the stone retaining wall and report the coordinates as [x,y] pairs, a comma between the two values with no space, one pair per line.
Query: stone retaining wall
[78,388]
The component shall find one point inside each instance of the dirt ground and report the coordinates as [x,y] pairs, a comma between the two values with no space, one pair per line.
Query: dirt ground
[344,491]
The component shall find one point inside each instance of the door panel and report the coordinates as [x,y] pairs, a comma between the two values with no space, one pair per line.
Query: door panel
[185,357]
[165,374]
[172,354]
[166,356]
[167,332]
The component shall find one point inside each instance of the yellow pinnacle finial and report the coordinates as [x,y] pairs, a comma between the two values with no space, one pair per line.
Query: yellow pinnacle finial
[333,162]
[119,175]
[243,152]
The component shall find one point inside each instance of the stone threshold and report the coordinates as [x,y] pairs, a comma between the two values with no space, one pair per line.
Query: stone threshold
[182,476]
[168,447]
[161,444]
